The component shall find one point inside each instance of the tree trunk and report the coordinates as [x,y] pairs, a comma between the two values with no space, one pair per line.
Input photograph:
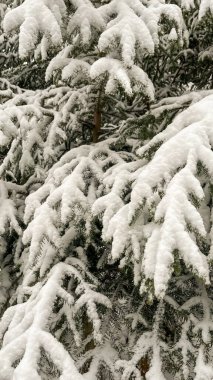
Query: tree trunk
[143,366]
[97,119]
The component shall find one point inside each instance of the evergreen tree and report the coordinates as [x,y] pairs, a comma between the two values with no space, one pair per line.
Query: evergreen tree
[106,171]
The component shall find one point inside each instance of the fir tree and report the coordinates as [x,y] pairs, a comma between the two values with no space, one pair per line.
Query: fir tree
[106,190]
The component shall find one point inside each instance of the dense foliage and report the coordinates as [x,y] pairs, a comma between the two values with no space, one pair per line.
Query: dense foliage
[106,183]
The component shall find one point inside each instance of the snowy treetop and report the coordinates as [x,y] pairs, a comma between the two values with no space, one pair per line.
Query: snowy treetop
[121,34]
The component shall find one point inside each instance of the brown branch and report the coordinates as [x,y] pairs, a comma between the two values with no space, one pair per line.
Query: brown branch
[87,332]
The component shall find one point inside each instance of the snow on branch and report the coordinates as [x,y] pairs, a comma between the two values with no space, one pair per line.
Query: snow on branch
[149,343]
[164,217]
[122,33]
[58,211]
[32,17]
[35,122]
[102,361]
[87,21]
[132,20]
[28,327]
[8,212]
[205,7]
